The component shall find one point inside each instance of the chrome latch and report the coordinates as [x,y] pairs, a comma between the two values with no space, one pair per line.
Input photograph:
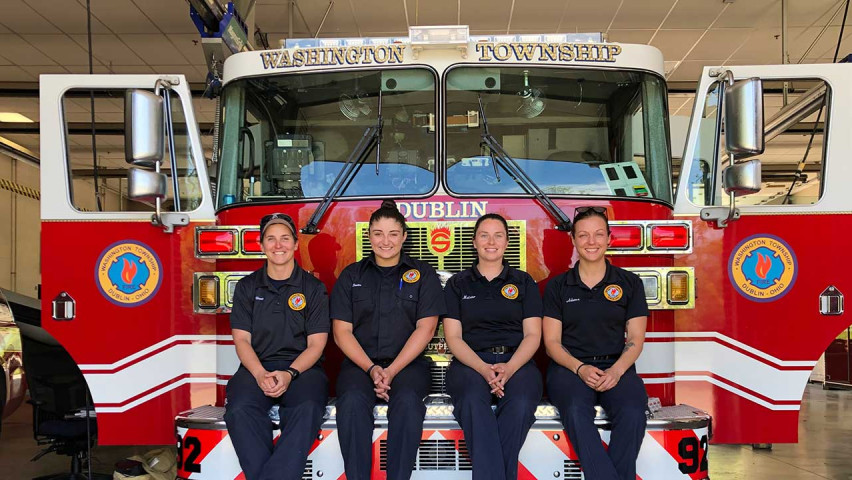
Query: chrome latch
[831,301]
[64,307]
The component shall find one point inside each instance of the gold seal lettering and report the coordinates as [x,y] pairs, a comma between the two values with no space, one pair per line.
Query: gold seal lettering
[485,50]
[523,51]
[502,52]
[550,52]
[396,53]
[566,52]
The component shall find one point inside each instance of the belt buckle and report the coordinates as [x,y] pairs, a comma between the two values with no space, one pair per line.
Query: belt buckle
[499,350]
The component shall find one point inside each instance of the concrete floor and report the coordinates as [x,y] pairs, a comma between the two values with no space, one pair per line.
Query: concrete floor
[824,450]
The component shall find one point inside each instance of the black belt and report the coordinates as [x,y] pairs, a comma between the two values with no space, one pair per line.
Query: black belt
[598,358]
[500,349]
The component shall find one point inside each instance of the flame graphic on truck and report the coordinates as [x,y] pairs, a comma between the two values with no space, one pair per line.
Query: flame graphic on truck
[763,265]
[128,272]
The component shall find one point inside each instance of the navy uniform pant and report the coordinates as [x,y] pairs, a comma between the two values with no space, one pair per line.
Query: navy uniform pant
[494,439]
[406,411]
[625,406]
[301,412]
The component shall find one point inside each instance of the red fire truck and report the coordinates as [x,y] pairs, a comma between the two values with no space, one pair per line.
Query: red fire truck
[736,269]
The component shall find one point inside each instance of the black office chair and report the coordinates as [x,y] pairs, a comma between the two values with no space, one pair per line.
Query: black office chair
[58,394]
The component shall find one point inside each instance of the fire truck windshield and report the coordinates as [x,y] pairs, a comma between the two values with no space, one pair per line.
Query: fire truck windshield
[572,131]
[288,136]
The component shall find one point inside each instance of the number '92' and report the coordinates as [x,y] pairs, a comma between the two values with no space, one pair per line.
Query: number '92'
[694,454]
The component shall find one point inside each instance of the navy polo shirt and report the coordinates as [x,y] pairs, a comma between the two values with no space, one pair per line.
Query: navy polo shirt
[280,319]
[492,312]
[384,304]
[594,319]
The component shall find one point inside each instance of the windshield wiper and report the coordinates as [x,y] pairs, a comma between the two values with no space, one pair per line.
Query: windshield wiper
[518,174]
[371,139]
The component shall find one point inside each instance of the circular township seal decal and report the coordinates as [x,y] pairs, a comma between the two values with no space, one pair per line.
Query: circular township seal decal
[613,293]
[128,273]
[509,291]
[297,301]
[763,268]
[411,276]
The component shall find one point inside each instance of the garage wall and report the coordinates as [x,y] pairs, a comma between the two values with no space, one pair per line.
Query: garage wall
[20,270]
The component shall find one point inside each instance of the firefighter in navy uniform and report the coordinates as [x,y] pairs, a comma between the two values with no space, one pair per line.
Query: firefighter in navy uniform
[385,310]
[280,326]
[493,328]
[587,311]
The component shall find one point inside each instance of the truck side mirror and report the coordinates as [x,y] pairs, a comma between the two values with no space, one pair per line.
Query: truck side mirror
[744,118]
[742,178]
[145,185]
[144,136]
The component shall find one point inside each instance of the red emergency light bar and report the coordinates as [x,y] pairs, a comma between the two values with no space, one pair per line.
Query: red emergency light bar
[251,241]
[644,237]
[216,241]
[669,236]
[626,236]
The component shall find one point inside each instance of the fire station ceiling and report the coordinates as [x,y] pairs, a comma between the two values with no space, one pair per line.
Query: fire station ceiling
[148,36]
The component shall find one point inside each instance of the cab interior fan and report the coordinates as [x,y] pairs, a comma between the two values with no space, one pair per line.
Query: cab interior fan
[532,101]
[353,106]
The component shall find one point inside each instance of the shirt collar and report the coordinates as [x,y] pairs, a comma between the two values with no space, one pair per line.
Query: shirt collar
[504,274]
[404,261]
[295,278]
[573,276]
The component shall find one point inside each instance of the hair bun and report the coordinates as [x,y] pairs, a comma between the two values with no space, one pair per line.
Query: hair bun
[389,204]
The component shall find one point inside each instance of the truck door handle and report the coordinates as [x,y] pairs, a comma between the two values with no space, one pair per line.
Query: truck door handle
[64,307]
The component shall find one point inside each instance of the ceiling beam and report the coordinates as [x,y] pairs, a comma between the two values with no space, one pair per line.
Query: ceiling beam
[79,128]
[31,90]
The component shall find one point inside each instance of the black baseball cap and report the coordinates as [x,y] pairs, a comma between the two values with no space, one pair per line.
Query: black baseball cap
[277,218]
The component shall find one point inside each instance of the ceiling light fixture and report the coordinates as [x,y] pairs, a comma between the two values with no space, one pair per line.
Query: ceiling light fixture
[14,117]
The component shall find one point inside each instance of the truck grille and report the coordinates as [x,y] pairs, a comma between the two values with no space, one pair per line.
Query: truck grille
[572,470]
[434,455]
[461,254]
[438,373]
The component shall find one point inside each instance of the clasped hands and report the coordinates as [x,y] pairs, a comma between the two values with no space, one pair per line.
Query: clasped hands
[273,384]
[497,375]
[382,378]
[597,379]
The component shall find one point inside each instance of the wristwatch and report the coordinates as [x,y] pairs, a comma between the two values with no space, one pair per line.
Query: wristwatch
[293,372]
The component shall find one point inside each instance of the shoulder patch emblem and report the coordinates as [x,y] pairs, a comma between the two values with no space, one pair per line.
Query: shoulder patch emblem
[613,293]
[411,276]
[509,291]
[297,301]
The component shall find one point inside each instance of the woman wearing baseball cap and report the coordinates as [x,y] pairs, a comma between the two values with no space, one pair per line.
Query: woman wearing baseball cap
[280,326]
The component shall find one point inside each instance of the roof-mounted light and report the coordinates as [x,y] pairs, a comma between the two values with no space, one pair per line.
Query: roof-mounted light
[542,38]
[340,42]
[439,35]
